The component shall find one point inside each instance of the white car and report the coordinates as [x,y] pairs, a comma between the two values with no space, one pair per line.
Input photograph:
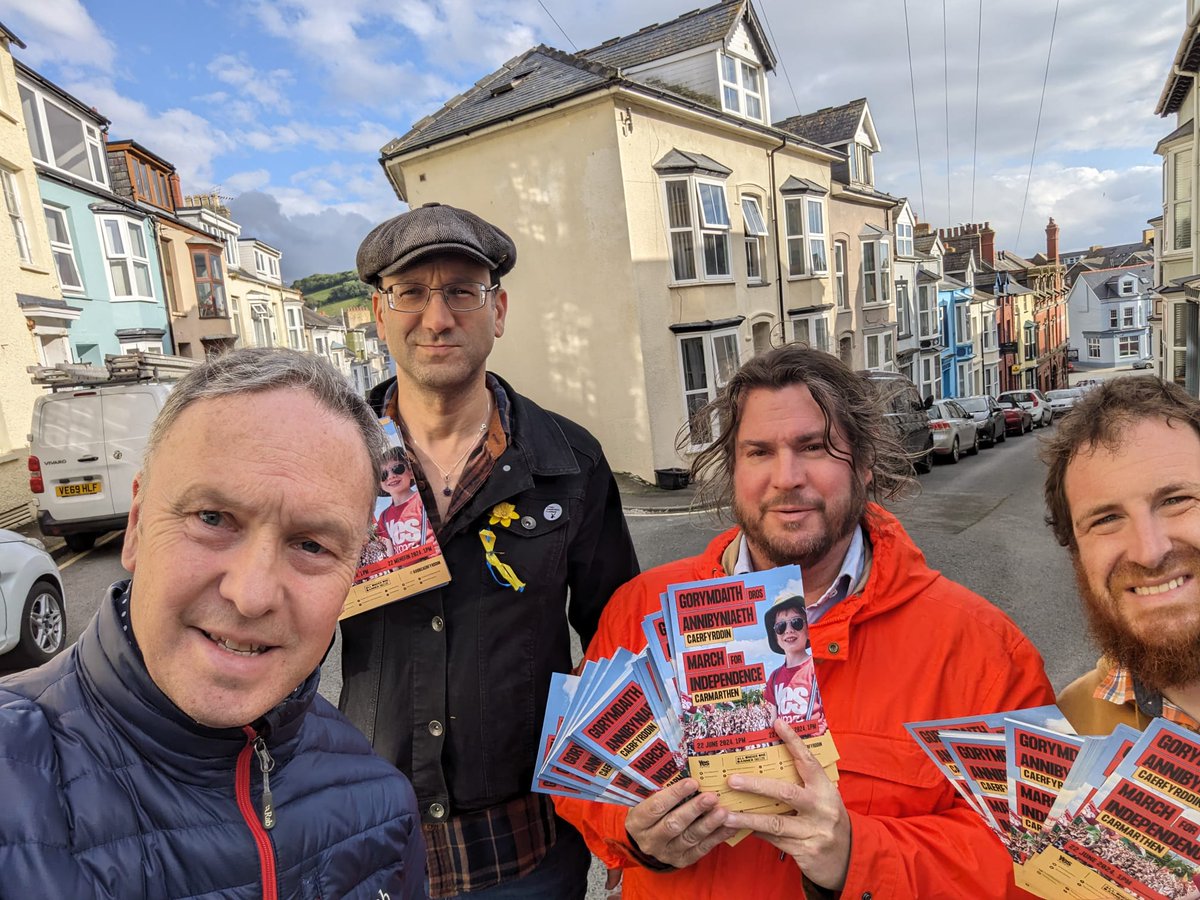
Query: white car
[34,624]
[1033,400]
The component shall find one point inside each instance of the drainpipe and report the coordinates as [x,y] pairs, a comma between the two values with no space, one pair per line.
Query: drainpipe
[775,240]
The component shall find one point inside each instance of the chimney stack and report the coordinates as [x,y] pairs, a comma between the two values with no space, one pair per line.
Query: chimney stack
[1052,241]
[987,244]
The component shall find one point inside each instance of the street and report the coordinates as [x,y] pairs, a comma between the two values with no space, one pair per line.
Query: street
[980,522]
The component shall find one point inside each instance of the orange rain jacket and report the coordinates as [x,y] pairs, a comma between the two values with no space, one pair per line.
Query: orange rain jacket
[912,646]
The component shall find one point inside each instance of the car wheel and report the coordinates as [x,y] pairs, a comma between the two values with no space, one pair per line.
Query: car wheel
[954,454]
[43,627]
[1027,428]
[1002,436]
[924,465]
[84,540]
[974,451]
[1049,419]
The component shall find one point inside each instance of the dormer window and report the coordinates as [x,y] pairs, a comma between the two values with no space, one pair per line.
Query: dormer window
[1128,288]
[741,88]
[859,157]
[61,139]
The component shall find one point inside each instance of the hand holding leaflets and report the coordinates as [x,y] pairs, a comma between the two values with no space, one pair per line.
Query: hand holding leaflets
[678,826]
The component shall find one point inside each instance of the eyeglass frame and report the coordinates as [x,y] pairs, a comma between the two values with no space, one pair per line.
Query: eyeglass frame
[484,290]
[396,469]
[780,626]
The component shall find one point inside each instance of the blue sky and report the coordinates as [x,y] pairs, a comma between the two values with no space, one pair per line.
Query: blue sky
[282,105]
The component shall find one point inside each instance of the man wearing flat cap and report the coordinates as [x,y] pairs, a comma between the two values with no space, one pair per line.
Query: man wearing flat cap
[451,685]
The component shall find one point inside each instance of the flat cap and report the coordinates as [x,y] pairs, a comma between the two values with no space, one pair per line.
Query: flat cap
[428,230]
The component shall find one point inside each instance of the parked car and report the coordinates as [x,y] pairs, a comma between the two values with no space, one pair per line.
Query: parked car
[85,447]
[954,431]
[1034,401]
[905,411]
[988,416]
[1063,401]
[34,625]
[1143,364]
[1017,419]
[1087,384]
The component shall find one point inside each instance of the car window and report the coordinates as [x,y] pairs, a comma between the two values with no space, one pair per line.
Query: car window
[974,404]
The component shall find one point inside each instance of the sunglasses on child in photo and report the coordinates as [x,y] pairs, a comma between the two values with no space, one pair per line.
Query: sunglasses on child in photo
[398,469]
[781,625]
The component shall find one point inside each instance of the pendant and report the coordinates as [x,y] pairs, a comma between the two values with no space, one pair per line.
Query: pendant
[446,492]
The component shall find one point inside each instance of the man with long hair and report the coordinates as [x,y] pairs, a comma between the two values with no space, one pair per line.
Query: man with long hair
[802,449]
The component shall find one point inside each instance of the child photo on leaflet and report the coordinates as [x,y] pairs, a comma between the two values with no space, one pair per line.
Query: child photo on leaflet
[791,693]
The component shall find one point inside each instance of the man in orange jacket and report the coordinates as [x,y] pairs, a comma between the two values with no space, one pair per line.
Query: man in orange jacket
[803,443]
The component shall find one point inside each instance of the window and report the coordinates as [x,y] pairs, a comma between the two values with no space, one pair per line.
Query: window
[812,330]
[295,328]
[210,284]
[989,381]
[1129,345]
[859,158]
[168,264]
[1114,317]
[756,232]
[1093,348]
[879,351]
[128,264]
[260,315]
[708,361]
[839,269]
[1030,341]
[962,323]
[904,239]
[1127,287]
[988,328]
[927,315]
[1179,323]
[706,227]
[805,218]
[63,249]
[903,308]
[12,202]
[1127,316]
[151,183]
[741,88]
[1181,200]
[931,378]
[875,269]
[231,251]
[61,139]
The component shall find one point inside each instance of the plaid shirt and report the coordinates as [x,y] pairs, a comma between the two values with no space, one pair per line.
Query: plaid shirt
[1120,687]
[477,850]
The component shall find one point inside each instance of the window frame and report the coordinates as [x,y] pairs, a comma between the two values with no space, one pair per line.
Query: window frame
[882,346]
[11,189]
[38,128]
[928,315]
[878,274]
[132,261]
[713,380]
[904,311]
[295,329]
[1128,316]
[800,243]
[931,377]
[735,88]
[1114,317]
[68,248]
[755,238]
[1093,348]
[1129,346]
[904,239]
[703,231]
[207,307]
[841,287]
[822,342]
[1179,202]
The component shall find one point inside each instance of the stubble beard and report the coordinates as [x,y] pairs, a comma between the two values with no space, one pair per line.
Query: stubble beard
[1161,654]
[791,548]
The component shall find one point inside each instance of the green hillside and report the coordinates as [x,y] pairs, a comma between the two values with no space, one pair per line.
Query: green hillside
[329,293]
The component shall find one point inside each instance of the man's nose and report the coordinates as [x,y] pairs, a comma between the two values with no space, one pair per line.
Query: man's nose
[252,579]
[789,470]
[437,316]
[1150,542]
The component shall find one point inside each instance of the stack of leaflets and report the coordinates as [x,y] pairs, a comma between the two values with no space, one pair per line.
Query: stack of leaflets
[402,557]
[724,658]
[1082,816]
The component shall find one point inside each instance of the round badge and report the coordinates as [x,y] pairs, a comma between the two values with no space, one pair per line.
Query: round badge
[528,523]
[552,512]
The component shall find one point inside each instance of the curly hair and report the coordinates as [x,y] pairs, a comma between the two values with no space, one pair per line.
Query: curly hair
[848,400]
[1101,419]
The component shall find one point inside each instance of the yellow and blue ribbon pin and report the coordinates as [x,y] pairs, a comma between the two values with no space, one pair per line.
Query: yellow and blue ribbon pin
[502,572]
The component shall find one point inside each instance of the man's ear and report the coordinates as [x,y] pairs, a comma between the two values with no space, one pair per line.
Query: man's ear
[130,547]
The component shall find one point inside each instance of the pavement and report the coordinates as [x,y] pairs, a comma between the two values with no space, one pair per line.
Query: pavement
[639,497]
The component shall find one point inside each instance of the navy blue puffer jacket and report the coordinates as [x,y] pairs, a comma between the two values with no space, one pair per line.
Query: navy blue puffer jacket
[108,790]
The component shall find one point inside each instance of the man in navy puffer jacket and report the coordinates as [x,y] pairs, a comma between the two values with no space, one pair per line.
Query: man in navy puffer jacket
[180,748]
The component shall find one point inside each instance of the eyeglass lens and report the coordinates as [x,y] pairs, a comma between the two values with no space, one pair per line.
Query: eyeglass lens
[462,296]
[388,472]
[796,622]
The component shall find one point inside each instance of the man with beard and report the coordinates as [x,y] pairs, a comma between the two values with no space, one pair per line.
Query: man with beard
[1123,495]
[803,443]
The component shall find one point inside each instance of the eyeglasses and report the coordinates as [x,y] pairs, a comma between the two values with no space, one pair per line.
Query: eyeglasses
[462,296]
[781,625]
[398,469]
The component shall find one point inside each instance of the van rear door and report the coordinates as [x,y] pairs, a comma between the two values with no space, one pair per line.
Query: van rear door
[128,415]
[69,442]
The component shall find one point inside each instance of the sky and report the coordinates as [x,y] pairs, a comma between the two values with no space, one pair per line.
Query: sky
[282,106]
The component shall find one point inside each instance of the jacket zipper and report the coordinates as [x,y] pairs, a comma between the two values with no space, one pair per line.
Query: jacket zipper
[256,746]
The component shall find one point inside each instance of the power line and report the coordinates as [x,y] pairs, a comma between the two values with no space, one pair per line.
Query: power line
[975,146]
[946,94]
[916,130]
[559,27]
[782,64]
[1038,127]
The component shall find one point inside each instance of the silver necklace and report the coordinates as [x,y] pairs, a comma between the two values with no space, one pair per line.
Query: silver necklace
[447,474]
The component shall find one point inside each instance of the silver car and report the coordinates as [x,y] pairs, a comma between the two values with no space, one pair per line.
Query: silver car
[34,627]
[1063,401]
[954,431]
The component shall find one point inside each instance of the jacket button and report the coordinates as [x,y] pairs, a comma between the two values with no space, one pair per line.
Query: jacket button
[435,728]
[866,895]
[528,523]
[437,810]
[834,647]
[437,623]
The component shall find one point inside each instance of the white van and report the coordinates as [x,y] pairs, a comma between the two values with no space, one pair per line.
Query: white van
[86,445]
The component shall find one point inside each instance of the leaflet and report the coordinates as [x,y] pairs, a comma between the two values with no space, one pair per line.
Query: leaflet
[1039,761]
[402,556]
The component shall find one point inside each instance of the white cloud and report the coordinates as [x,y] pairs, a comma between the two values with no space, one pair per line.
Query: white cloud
[240,182]
[267,89]
[48,26]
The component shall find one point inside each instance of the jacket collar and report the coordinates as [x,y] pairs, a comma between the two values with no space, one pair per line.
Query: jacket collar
[114,675]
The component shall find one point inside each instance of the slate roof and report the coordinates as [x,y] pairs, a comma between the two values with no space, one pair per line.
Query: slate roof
[956,262]
[829,126]
[924,242]
[538,77]
[1184,129]
[1106,284]
[686,32]
[794,185]
[1111,257]
[314,319]
[684,161]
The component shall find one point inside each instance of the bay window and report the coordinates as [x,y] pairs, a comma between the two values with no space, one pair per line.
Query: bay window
[876,269]
[805,220]
[708,361]
[128,262]
[698,229]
